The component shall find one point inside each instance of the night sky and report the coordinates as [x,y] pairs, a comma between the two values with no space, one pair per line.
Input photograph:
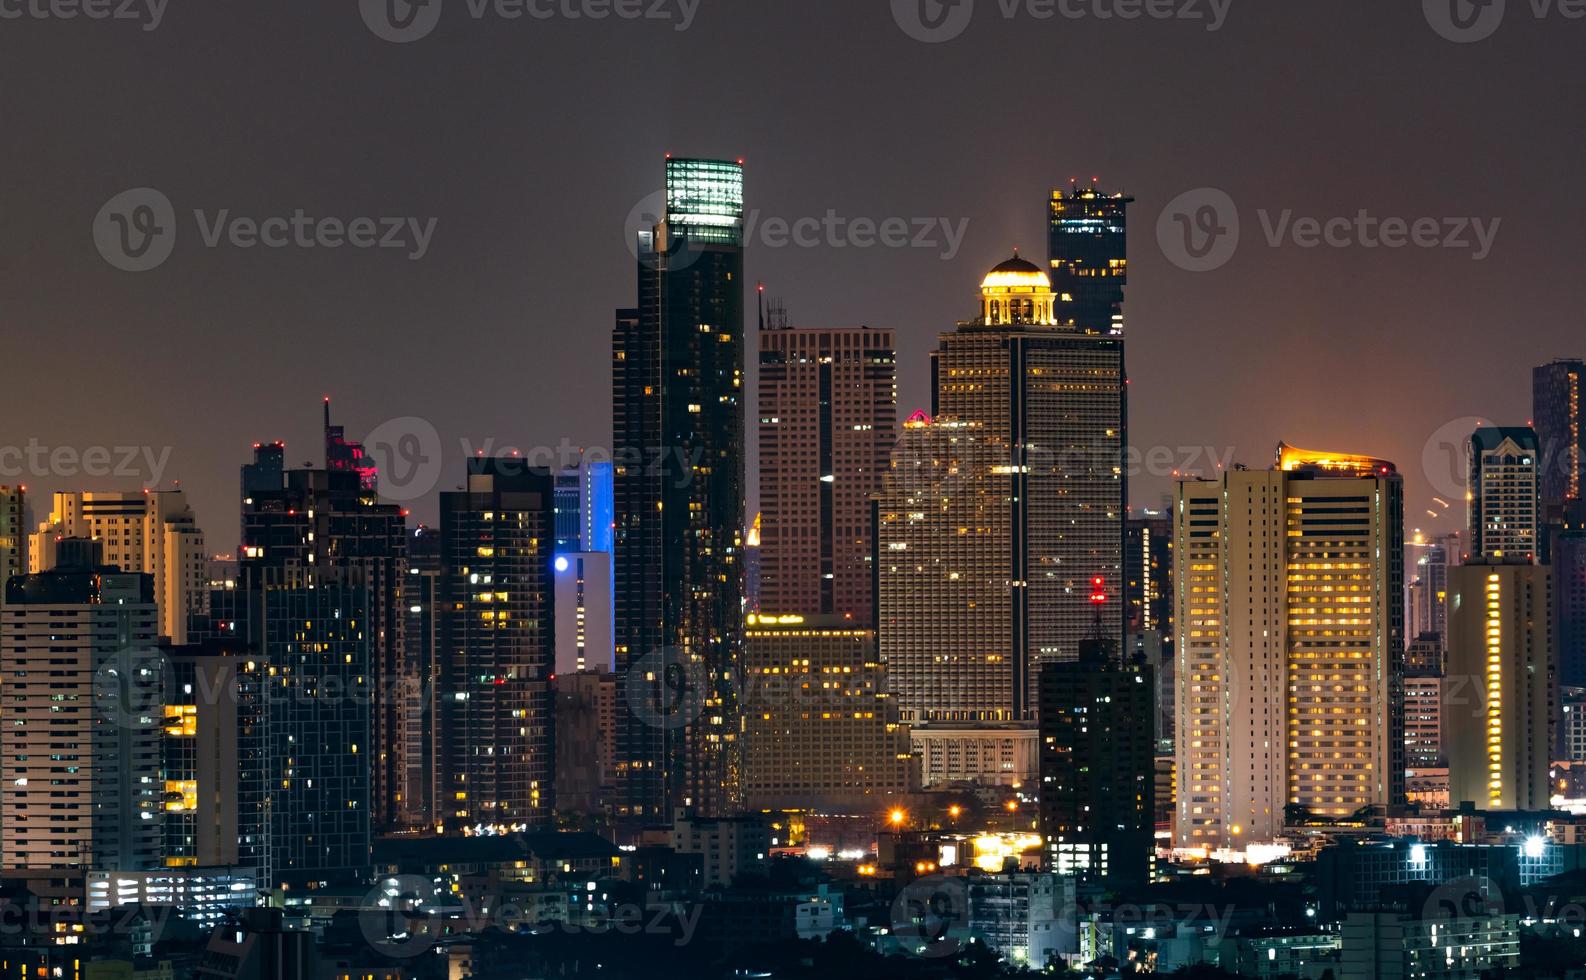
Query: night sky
[530,142]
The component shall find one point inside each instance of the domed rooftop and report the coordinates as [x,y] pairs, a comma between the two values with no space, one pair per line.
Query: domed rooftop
[1017,273]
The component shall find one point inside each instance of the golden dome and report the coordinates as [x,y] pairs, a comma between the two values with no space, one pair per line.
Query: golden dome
[1017,273]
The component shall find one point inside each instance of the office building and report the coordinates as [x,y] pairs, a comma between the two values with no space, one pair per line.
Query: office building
[827,425]
[423,644]
[584,508]
[821,734]
[216,757]
[728,846]
[997,515]
[585,612]
[1423,720]
[80,781]
[1453,944]
[342,455]
[1029,920]
[1561,438]
[1148,573]
[1567,553]
[152,532]
[1290,605]
[1496,706]
[321,521]
[678,417]
[586,741]
[1098,768]
[498,630]
[1505,494]
[1088,239]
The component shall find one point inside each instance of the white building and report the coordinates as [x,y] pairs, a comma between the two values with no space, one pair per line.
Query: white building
[1400,946]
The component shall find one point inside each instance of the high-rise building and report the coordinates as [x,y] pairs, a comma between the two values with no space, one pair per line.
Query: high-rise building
[679,432]
[821,734]
[1505,494]
[1567,552]
[1497,702]
[422,648]
[1290,596]
[1423,720]
[1098,768]
[1088,243]
[216,758]
[1148,573]
[315,521]
[13,534]
[828,411]
[586,740]
[309,628]
[1556,391]
[152,532]
[584,508]
[1030,416]
[342,455]
[498,631]
[585,637]
[80,784]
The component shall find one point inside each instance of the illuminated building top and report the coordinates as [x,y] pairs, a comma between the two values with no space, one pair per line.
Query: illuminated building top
[706,198]
[1016,292]
[1291,460]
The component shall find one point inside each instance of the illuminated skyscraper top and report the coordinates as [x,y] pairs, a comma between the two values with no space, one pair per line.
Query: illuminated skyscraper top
[1089,241]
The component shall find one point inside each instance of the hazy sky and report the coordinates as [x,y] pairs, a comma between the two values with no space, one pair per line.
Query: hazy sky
[530,141]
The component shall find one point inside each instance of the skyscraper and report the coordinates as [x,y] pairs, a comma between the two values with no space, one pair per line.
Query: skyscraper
[1557,415]
[1037,493]
[1148,573]
[828,411]
[1088,243]
[1098,767]
[1505,494]
[679,432]
[342,455]
[1496,706]
[81,744]
[153,532]
[423,645]
[584,508]
[498,539]
[1290,643]
[317,521]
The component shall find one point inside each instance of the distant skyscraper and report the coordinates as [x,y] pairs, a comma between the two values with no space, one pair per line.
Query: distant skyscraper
[423,645]
[13,534]
[828,410]
[1496,709]
[679,432]
[1290,645]
[1556,392]
[821,732]
[152,531]
[342,455]
[1568,554]
[1505,494]
[584,508]
[81,784]
[498,628]
[1089,249]
[585,617]
[1423,727]
[1035,493]
[309,627]
[325,520]
[1098,768]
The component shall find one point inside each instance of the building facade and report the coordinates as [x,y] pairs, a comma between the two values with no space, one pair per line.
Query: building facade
[828,414]
[1557,415]
[678,418]
[1505,494]
[1290,603]
[1498,695]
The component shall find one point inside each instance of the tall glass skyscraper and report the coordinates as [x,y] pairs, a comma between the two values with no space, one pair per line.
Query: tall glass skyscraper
[678,418]
[1088,238]
[1556,413]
